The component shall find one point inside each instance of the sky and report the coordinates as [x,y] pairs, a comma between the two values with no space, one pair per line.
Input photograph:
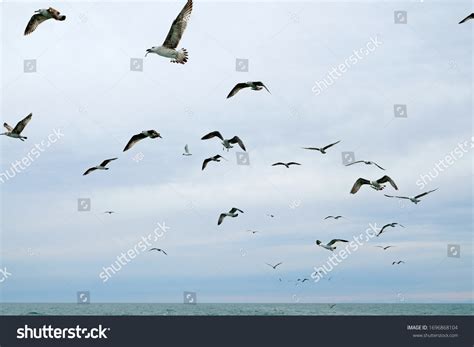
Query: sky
[87,103]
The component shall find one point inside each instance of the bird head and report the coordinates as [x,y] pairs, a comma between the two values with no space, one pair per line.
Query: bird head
[318,242]
[150,50]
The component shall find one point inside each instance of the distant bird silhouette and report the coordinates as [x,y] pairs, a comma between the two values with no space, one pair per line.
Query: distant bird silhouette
[109,212]
[158,250]
[101,166]
[384,248]
[392,225]
[253,85]
[333,217]
[40,16]
[330,244]
[366,162]
[398,262]
[287,165]
[414,199]
[377,185]
[470,17]
[216,158]
[186,151]
[274,266]
[322,149]
[227,143]
[232,213]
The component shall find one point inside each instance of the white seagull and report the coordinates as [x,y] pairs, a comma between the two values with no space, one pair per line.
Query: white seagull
[413,199]
[16,131]
[216,158]
[143,135]
[377,185]
[227,143]
[392,225]
[40,16]
[186,151]
[168,49]
[287,165]
[366,162]
[253,85]
[102,166]
[330,246]
[470,17]
[232,213]
[322,149]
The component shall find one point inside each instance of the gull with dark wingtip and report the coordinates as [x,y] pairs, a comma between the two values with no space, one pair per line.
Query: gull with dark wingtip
[329,246]
[398,262]
[470,17]
[227,143]
[413,199]
[232,213]
[17,130]
[384,247]
[253,85]
[392,225]
[366,162]
[40,16]
[333,217]
[377,184]
[217,158]
[152,134]
[102,166]
[322,149]
[287,165]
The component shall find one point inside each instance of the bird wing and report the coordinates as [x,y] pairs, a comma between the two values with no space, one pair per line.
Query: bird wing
[205,162]
[332,144]
[235,209]
[381,168]
[221,218]
[6,126]
[278,264]
[22,124]
[260,84]
[279,163]
[212,134]
[186,149]
[336,240]
[471,16]
[178,26]
[396,196]
[312,148]
[425,193]
[106,161]
[237,139]
[35,20]
[237,88]
[329,217]
[134,140]
[164,252]
[89,171]
[385,179]
[293,163]
[358,184]
[355,162]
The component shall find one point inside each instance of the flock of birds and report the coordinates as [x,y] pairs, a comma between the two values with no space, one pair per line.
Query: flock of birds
[180,56]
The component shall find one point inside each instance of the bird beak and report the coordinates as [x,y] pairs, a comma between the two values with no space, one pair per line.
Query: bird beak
[62,18]
[160,136]
[147,51]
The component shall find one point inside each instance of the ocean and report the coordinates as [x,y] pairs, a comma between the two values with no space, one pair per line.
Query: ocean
[294,309]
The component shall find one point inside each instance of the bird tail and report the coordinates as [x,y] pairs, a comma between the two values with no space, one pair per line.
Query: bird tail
[181,57]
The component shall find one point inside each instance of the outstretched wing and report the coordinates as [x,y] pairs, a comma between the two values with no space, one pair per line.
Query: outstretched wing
[235,209]
[35,20]
[211,135]
[260,84]
[89,171]
[22,124]
[425,193]
[355,162]
[134,140]
[293,163]
[178,26]
[105,162]
[471,16]
[385,179]
[237,88]
[336,240]
[312,148]
[358,184]
[221,218]
[381,168]
[396,196]
[205,162]
[9,128]
[237,139]
[332,144]
[279,163]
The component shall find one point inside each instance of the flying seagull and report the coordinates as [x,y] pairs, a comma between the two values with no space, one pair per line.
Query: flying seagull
[392,225]
[102,166]
[227,143]
[168,49]
[216,158]
[322,149]
[398,262]
[253,231]
[377,185]
[16,131]
[274,266]
[109,212]
[414,199]
[333,217]
[232,213]
[40,16]
[186,151]
[330,246]
[253,85]
[270,215]
[302,280]
[471,16]
[287,165]
[158,250]
[366,162]
[384,248]
[143,135]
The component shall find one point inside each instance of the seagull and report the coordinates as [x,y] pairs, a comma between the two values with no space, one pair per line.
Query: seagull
[270,215]
[414,199]
[274,266]
[330,246]
[398,262]
[186,151]
[102,166]
[286,164]
[16,131]
[366,162]
[302,280]
[471,16]
[214,158]
[253,231]
[40,16]
[232,213]
[377,185]
[168,49]
[384,248]
[227,143]
[323,149]
[109,212]
[143,135]
[158,250]
[333,217]
[332,305]
[239,86]
[393,225]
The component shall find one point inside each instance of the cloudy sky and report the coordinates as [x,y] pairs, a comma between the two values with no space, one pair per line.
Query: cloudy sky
[83,88]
